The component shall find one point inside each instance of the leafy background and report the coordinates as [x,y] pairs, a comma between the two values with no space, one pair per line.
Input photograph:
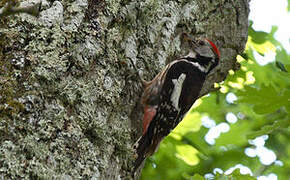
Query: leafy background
[241,131]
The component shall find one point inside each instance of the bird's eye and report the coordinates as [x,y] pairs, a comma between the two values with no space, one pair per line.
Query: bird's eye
[201,43]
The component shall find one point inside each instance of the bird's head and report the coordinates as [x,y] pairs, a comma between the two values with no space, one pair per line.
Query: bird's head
[203,51]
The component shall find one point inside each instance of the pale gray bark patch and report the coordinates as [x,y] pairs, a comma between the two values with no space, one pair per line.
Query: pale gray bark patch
[71,110]
[53,15]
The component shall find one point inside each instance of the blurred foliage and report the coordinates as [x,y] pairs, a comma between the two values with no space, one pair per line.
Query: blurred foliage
[262,108]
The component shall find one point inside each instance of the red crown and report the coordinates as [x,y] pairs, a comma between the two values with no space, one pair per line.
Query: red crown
[214,47]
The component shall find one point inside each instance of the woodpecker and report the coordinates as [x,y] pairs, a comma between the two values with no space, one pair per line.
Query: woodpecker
[169,96]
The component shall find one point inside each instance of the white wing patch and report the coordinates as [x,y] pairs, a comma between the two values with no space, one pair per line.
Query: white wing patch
[177,90]
[200,67]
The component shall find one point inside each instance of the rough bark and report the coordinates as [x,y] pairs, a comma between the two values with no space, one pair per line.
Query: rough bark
[69,97]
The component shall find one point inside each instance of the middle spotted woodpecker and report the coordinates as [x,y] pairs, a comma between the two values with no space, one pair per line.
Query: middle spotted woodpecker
[168,97]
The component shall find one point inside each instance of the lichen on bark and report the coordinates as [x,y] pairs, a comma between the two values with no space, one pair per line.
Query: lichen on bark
[69,101]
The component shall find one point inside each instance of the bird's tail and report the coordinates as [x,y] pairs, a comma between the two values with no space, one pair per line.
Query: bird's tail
[141,147]
[144,148]
[137,164]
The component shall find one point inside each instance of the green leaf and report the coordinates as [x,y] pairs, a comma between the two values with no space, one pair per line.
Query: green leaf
[190,123]
[265,100]
[187,153]
[282,56]
[235,175]
[197,177]
[268,129]
[258,37]
[238,176]
[236,135]
[245,55]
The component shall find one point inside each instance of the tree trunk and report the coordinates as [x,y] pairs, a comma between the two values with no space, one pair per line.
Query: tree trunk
[69,96]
